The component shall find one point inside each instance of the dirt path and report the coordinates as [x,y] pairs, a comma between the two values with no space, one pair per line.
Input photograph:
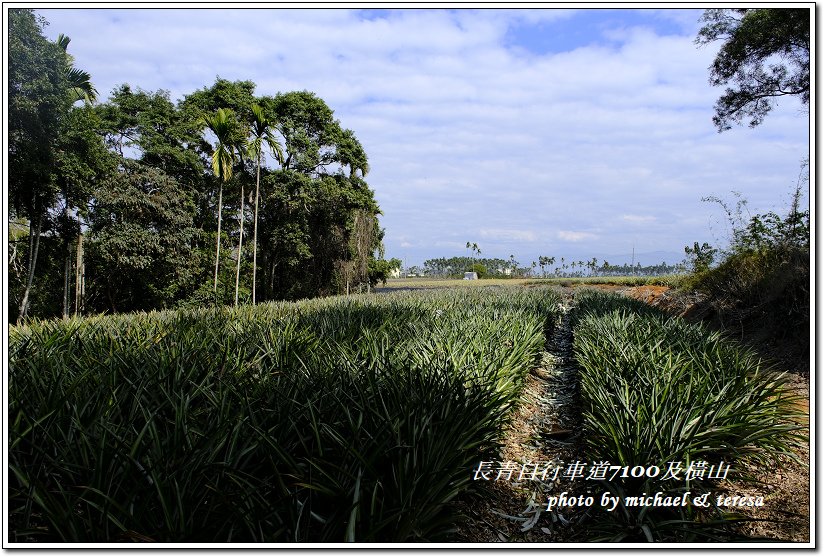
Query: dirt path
[544,435]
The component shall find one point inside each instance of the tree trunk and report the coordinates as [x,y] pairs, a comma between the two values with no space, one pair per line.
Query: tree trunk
[66,288]
[271,268]
[34,245]
[68,264]
[217,243]
[239,245]
[79,278]
[254,241]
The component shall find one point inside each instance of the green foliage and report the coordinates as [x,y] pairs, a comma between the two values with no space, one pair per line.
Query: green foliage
[701,257]
[309,130]
[673,281]
[765,54]
[37,102]
[79,82]
[763,284]
[767,290]
[769,231]
[45,297]
[502,268]
[47,154]
[349,152]
[379,269]
[148,126]
[261,128]
[308,238]
[237,96]
[88,170]
[305,208]
[457,266]
[480,269]
[345,419]
[659,390]
[141,241]
[224,125]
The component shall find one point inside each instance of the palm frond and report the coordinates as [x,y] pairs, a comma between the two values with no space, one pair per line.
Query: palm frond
[221,123]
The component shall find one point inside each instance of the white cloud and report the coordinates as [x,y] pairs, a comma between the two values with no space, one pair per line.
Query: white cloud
[466,136]
[575,236]
[639,219]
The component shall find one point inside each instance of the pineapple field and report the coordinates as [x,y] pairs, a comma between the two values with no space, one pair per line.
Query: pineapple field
[366,419]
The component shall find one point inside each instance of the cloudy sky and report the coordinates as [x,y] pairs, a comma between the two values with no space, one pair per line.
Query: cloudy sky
[576,133]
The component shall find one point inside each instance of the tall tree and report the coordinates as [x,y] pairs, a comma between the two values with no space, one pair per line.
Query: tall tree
[148,127]
[141,240]
[37,101]
[241,212]
[262,132]
[309,129]
[79,87]
[221,124]
[81,163]
[765,55]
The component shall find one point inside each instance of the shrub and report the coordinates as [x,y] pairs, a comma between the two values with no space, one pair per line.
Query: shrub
[763,283]
[767,290]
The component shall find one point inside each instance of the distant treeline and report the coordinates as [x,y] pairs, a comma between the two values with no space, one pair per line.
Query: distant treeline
[544,267]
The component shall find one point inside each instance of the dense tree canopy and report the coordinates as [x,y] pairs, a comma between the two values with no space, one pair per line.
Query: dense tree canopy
[129,193]
[142,248]
[42,85]
[765,55]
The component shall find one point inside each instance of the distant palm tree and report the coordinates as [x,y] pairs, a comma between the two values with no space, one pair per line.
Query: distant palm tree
[262,129]
[475,251]
[221,123]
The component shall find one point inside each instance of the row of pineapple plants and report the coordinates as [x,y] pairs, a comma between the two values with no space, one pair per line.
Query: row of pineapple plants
[341,419]
[658,390]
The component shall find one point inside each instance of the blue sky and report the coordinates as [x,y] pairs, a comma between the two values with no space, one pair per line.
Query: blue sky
[576,133]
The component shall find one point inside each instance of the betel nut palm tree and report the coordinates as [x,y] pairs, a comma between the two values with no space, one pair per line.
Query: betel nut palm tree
[79,81]
[221,124]
[262,132]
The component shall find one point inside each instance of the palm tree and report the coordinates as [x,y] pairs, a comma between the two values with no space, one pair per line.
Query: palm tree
[475,250]
[79,81]
[262,129]
[79,88]
[221,124]
[239,241]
